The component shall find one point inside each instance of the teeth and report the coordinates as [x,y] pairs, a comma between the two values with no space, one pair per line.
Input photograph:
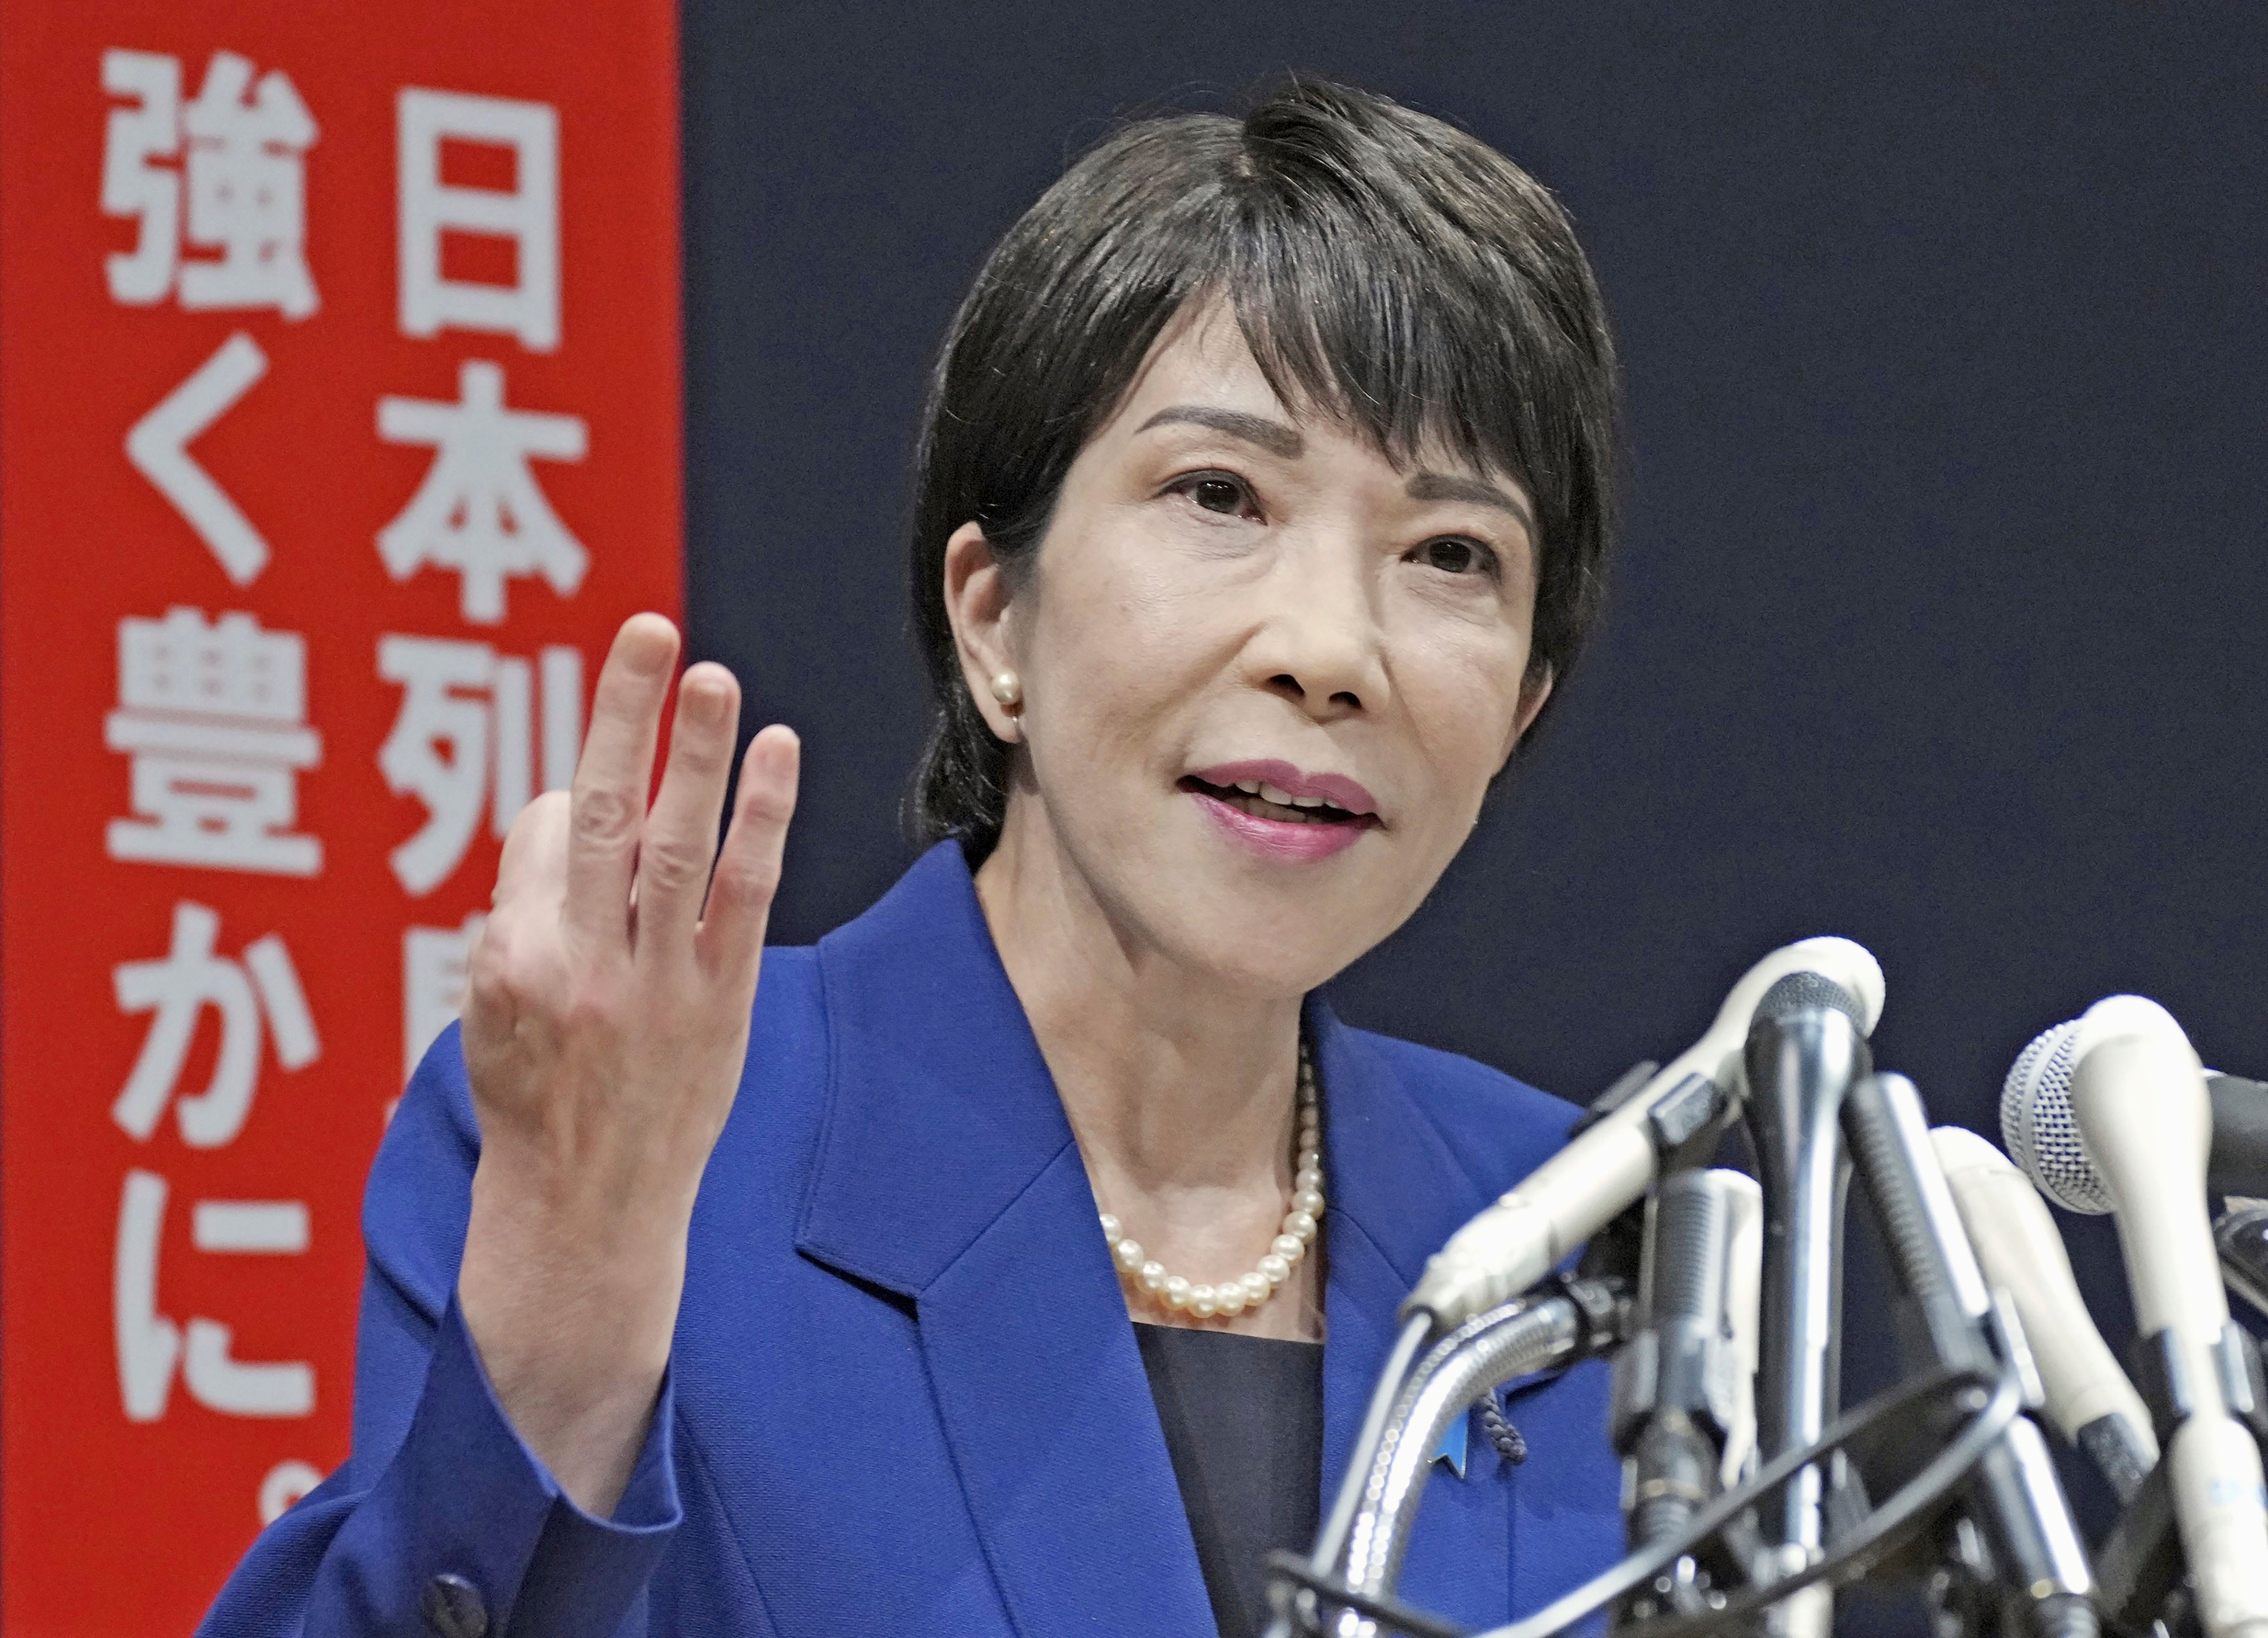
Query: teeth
[1308,802]
[1250,787]
[1282,799]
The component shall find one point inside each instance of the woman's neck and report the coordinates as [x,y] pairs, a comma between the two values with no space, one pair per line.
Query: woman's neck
[1179,1088]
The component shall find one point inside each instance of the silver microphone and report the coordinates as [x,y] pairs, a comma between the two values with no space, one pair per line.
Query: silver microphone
[1680,1385]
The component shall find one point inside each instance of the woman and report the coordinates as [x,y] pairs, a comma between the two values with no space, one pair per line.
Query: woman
[1263,501]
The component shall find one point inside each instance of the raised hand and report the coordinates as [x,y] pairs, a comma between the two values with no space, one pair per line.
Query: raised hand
[605,1022]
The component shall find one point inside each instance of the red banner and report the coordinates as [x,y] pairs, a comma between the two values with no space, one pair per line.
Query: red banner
[338,429]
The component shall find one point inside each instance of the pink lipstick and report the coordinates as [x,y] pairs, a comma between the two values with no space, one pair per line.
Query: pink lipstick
[1279,811]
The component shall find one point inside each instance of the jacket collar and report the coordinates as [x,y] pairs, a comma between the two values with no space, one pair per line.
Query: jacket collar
[947,1172]
[941,1110]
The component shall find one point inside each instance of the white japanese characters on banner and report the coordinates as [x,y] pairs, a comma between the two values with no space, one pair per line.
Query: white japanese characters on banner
[327,484]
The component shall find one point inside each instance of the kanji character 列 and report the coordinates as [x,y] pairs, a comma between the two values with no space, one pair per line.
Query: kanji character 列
[464,741]
[479,511]
[434,963]
[214,715]
[149,1346]
[177,988]
[526,215]
[245,176]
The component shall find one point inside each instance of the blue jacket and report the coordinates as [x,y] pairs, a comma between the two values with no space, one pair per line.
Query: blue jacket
[905,1399]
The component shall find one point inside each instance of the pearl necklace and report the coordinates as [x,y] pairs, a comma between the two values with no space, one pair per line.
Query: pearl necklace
[1234,1297]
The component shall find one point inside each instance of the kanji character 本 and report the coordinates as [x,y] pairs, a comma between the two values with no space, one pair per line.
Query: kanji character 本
[434,963]
[149,1346]
[177,988]
[479,511]
[465,738]
[213,716]
[527,216]
[245,174]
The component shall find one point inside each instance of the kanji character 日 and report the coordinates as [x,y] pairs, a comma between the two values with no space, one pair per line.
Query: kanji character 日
[479,511]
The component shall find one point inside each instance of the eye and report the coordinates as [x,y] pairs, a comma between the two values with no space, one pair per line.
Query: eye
[1220,492]
[1456,554]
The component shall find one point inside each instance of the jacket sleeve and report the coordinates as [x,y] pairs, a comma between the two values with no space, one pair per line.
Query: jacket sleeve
[442,1521]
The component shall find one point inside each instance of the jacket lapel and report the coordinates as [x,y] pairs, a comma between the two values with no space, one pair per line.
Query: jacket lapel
[947,1172]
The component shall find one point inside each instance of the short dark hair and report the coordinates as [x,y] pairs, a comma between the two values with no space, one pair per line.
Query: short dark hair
[1395,271]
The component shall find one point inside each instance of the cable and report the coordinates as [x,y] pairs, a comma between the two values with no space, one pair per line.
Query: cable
[1911,1504]
[1885,1526]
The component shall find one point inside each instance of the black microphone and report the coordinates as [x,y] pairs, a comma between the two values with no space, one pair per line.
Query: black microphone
[2012,1496]
[2238,1163]
[1806,1046]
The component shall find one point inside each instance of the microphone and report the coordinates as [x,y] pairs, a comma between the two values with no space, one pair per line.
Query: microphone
[1744,1278]
[2013,1495]
[1806,1046]
[1615,1159]
[1678,1386]
[2089,1399]
[2238,1162]
[2118,1115]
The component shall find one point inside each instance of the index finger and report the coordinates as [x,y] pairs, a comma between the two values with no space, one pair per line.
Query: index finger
[606,809]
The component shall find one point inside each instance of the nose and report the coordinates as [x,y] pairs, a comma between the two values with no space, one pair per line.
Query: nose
[1319,644]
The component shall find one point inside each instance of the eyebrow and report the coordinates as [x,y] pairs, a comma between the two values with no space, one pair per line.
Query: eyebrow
[1272,436]
[1441,486]
[1279,439]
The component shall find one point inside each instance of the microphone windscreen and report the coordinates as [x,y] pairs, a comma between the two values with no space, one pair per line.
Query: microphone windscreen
[2040,1130]
[1800,991]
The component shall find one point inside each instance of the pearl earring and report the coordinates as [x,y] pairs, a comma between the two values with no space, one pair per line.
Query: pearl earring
[1008,689]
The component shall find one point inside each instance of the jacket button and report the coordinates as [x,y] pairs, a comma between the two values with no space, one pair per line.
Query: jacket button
[452,1608]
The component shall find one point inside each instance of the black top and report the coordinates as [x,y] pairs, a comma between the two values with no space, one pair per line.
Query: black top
[1244,1423]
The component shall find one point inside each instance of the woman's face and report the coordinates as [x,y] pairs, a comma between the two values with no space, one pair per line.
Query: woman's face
[1267,674]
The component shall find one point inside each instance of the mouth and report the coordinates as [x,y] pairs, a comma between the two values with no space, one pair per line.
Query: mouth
[1263,801]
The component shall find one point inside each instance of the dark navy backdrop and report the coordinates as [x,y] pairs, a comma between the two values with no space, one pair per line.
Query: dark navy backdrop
[1939,620]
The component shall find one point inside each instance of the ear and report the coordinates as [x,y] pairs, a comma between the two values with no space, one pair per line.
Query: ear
[976,603]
